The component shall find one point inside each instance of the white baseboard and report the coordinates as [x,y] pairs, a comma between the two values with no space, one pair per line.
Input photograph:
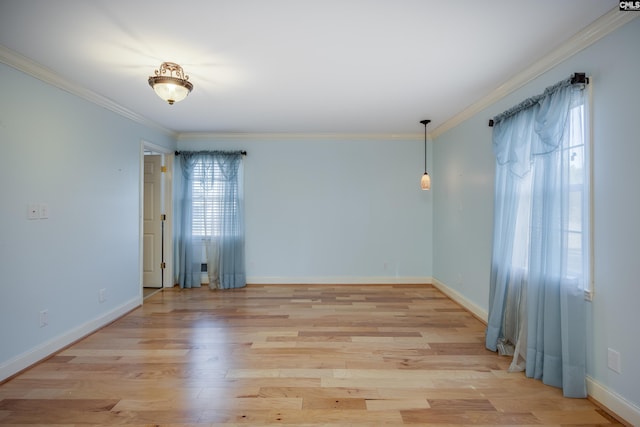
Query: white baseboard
[338,280]
[46,349]
[474,308]
[613,402]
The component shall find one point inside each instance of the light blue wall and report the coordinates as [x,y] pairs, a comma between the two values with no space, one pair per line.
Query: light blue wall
[334,210]
[83,161]
[616,110]
[463,203]
[463,209]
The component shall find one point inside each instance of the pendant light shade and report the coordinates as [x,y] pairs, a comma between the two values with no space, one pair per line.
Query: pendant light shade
[170,83]
[425,182]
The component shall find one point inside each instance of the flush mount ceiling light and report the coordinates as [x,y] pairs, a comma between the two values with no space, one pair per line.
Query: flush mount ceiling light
[425,182]
[170,83]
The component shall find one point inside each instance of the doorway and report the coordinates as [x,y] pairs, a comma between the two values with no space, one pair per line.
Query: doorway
[156,252]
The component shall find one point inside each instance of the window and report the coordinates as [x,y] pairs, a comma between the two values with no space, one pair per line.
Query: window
[578,232]
[574,161]
[208,188]
[575,153]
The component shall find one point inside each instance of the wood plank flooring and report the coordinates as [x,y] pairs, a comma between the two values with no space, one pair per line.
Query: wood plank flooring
[301,355]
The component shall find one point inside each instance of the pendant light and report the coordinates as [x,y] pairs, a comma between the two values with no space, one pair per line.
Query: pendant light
[425,182]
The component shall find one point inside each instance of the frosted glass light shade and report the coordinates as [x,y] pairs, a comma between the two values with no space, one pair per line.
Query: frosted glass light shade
[170,89]
[425,182]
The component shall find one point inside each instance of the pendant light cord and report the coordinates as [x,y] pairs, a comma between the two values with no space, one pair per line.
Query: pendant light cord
[425,148]
[425,123]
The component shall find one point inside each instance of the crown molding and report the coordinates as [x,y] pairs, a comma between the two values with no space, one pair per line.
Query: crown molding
[26,65]
[241,136]
[599,28]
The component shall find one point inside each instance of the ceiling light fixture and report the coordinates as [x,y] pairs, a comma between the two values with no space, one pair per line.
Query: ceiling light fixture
[425,182]
[170,83]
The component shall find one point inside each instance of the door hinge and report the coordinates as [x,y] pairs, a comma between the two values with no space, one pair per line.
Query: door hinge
[163,265]
[163,168]
[163,217]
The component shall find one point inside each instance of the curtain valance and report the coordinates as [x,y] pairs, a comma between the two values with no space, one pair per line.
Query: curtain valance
[535,126]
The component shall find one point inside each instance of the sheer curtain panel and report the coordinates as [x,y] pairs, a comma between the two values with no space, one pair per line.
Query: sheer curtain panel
[210,220]
[540,266]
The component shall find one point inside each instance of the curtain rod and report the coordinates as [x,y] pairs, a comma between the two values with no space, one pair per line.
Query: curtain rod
[243,152]
[576,78]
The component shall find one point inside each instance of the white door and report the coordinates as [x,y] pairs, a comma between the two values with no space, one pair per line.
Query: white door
[152,227]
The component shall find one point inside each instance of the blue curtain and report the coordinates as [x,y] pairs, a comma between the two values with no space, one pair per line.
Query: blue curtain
[219,232]
[537,306]
[187,249]
[231,239]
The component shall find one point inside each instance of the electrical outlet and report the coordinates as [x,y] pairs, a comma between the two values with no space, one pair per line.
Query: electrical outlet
[44,318]
[102,295]
[613,360]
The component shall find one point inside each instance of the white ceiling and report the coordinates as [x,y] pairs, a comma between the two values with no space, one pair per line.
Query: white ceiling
[295,66]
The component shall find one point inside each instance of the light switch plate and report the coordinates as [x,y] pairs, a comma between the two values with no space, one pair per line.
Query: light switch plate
[44,211]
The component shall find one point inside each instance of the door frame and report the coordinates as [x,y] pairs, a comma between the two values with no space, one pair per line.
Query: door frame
[167,208]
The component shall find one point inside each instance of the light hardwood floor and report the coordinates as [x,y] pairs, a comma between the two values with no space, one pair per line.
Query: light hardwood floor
[288,355]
